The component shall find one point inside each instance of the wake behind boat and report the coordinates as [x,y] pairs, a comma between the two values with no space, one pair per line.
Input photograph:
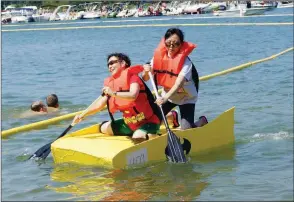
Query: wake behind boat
[89,147]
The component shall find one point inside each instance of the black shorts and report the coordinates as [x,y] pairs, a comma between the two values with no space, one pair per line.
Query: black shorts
[187,111]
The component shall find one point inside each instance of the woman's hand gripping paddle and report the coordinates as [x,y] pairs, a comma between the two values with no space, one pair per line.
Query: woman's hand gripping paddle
[174,146]
[44,151]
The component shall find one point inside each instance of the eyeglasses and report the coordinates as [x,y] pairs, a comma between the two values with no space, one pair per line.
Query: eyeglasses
[176,44]
[112,62]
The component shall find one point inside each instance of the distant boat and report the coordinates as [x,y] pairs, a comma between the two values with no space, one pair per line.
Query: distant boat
[285,4]
[241,10]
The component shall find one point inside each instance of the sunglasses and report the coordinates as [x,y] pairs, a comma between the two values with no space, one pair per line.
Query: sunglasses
[176,44]
[112,62]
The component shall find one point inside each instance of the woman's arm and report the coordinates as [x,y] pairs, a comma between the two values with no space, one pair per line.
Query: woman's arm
[101,103]
[131,95]
[178,84]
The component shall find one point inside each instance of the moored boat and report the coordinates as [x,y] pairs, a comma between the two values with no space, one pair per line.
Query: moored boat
[89,147]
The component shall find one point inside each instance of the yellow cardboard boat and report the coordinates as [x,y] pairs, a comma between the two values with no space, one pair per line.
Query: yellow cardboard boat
[89,147]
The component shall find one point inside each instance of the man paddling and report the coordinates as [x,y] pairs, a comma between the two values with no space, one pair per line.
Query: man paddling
[124,91]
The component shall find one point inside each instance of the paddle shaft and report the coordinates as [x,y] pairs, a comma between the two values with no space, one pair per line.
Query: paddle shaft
[174,141]
[81,115]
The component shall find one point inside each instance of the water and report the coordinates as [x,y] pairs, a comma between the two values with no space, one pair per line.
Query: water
[72,64]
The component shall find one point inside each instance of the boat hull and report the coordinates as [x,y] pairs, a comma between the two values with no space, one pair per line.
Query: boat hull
[88,147]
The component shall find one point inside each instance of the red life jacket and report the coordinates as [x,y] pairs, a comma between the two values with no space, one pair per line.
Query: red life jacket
[135,112]
[167,69]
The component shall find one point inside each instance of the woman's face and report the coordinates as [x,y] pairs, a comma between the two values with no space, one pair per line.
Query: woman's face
[173,45]
[114,64]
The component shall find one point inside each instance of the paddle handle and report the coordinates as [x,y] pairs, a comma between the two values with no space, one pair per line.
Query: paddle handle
[86,110]
[157,96]
[153,84]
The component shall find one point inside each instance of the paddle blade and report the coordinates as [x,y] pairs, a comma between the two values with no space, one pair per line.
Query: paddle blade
[43,152]
[175,149]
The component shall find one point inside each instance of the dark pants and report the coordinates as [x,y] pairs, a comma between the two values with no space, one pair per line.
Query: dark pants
[187,113]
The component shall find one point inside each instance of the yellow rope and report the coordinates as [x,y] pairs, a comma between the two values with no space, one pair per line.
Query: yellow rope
[152,25]
[45,123]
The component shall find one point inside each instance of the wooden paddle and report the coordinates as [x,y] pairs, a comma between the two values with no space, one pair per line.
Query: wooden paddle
[44,151]
[174,146]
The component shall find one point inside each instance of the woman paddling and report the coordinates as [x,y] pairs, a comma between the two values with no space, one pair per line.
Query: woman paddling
[174,71]
[124,91]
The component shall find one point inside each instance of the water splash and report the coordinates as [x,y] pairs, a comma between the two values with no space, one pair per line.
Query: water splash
[271,136]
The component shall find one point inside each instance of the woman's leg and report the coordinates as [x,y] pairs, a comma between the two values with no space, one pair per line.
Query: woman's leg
[105,128]
[146,131]
[117,127]
[167,107]
[187,116]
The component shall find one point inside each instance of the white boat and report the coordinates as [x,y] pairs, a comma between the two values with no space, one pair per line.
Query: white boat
[18,17]
[5,17]
[174,8]
[90,15]
[240,10]
[41,17]
[62,12]
[195,7]
[268,5]
[285,4]
[89,10]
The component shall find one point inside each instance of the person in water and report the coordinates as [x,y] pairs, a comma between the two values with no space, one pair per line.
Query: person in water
[126,92]
[52,102]
[39,107]
[175,72]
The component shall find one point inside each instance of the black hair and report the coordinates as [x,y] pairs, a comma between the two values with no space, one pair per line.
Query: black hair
[52,100]
[122,57]
[173,31]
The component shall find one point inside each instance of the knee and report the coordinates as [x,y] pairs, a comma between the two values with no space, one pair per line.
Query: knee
[138,134]
[105,127]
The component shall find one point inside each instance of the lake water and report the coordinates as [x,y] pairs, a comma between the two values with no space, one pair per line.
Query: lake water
[72,64]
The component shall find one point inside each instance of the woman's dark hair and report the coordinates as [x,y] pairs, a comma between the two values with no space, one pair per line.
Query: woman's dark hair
[173,31]
[122,57]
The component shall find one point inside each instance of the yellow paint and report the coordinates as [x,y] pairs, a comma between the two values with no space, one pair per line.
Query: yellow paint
[40,124]
[88,147]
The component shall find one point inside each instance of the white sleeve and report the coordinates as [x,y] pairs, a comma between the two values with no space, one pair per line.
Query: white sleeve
[151,63]
[187,70]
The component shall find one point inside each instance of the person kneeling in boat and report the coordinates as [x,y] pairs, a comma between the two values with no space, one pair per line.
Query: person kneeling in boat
[126,92]
[174,71]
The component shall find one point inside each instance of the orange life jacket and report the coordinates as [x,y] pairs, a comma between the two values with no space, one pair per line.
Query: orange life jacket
[135,112]
[167,69]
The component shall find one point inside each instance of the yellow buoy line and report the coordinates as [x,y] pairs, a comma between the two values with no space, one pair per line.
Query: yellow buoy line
[153,25]
[145,20]
[45,123]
